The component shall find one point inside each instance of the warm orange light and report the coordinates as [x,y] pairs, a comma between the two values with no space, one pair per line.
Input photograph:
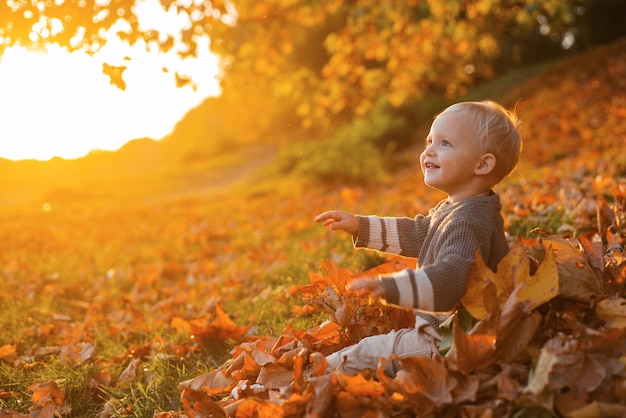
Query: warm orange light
[61,104]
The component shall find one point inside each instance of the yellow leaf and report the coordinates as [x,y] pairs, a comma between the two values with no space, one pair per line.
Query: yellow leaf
[540,288]
[513,270]
[479,276]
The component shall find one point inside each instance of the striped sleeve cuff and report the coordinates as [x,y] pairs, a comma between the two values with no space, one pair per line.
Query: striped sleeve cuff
[379,234]
[410,289]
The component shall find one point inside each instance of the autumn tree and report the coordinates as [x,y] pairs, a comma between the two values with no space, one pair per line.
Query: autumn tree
[323,59]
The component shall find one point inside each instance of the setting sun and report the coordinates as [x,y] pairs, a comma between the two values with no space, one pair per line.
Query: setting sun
[55,103]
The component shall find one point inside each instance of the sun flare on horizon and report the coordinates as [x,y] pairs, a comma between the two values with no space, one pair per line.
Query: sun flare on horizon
[60,104]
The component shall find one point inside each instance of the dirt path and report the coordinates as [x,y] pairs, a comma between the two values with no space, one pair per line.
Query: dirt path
[248,161]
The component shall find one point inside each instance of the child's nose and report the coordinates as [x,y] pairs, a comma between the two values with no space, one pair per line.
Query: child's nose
[429,150]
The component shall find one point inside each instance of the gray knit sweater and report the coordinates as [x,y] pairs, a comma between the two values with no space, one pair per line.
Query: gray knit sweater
[444,242]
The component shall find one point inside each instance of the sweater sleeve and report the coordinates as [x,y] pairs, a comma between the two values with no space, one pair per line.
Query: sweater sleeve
[409,288]
[401,236]
[438,286]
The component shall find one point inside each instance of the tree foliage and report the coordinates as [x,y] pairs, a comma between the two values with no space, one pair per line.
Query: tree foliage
[323,58]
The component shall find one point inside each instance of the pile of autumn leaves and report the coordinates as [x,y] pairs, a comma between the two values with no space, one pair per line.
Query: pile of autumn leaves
[549,336]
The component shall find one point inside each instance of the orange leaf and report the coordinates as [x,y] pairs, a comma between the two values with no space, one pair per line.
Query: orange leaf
[472,352]
[252,408]
[221,329]
[359,385]
[301,311]
[180,325]
[424,381]
[49,399]
[198,404]
[337,276]
[326,336]
[8,352]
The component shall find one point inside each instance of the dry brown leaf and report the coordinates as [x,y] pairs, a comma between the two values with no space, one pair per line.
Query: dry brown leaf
[577,280]
[274,376]
[9,413]
[319,365]
[321,392]
[425,382]
[129,374]
[471,352]
[599,409]
[612,312]
[200,405]
[215,382]
[244,367]
[562,363]
[594,250]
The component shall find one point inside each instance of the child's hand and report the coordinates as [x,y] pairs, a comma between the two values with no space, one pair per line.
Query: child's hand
[367,287]
[338,219]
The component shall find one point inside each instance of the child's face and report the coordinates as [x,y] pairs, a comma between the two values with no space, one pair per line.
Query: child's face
[452,154]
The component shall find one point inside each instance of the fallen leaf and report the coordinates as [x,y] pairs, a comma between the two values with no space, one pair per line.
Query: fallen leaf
[513,270]
[599,409]
[358,385]
[577,280]
[253,408]
[222,328]
[274,376]
[612,312]
[199,405]
[543,286]
[8,352]
[471,352]
[129,374]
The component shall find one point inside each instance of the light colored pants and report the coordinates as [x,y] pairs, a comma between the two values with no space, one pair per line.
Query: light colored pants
[423,341]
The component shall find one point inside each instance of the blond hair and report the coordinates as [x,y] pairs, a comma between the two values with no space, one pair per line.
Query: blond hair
[496,130]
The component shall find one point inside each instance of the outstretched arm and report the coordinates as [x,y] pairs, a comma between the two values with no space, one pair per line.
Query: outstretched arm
[338,219]
[367,286]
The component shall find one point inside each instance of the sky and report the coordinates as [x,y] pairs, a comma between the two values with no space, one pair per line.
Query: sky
[61,104]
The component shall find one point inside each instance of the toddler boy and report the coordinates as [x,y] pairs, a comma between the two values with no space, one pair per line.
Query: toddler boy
[470,148]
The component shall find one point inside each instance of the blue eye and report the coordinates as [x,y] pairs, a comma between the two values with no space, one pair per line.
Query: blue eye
[446,143]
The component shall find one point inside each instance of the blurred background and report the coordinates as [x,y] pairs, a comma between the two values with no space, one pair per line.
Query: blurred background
[103,90]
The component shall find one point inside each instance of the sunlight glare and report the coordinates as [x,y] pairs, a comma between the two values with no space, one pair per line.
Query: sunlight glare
[61,104]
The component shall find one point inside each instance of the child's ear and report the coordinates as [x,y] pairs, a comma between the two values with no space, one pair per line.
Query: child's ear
[486,164]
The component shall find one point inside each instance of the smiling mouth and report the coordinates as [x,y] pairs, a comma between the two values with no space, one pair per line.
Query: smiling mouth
[429,165]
